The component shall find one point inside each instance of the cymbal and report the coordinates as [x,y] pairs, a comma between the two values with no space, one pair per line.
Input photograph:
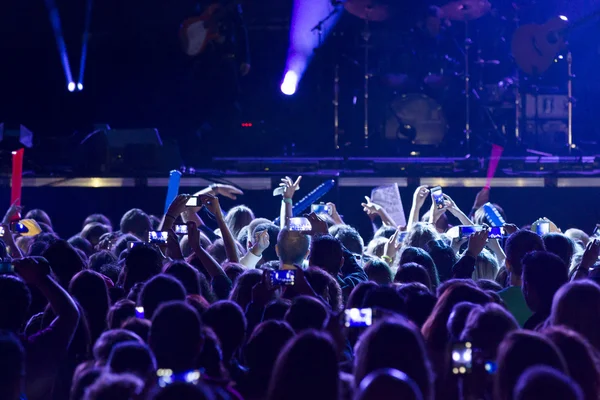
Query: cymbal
[370,10]
[466,10]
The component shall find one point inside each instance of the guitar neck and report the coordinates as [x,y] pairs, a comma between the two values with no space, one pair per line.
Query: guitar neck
[582,21]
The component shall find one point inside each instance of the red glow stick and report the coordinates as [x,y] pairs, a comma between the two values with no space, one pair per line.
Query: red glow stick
[493,165]
[17,179]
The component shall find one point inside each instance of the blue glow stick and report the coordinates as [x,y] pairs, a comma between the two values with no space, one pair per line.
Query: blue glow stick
[173,189]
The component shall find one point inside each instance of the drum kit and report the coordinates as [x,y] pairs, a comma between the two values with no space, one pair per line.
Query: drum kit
[425,107]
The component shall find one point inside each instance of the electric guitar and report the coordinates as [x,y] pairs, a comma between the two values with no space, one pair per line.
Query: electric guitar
[197,32]
[534,46]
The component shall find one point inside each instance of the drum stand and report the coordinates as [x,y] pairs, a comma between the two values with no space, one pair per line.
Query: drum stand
[366,35]
[570,103]
[467,47]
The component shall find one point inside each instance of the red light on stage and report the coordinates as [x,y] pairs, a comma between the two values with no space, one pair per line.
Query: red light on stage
[246,124]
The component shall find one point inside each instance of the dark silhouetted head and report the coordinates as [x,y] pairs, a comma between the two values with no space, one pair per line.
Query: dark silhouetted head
[394,343]
[387,383]
[175,336]
[136,222]
[543,274]
[90,291]
[237,218]
[378,271]
[349,237]
[517,246]
[413,272]
[133,358]
[542,382]
[64,261]
[519,351]
[15,292]
[326,252]
[298,376]
[421,257]
[306,313]
[158,290]
[228,321]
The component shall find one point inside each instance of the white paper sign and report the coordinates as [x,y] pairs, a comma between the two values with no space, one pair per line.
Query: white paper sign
[389,198]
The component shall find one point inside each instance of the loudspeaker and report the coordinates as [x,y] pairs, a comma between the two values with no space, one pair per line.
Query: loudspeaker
[130,151]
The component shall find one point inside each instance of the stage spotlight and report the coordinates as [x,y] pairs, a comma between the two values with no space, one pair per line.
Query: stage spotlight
[290,83]
[311,22]
[71,86]
[60,41]
[563,18]
[84,45]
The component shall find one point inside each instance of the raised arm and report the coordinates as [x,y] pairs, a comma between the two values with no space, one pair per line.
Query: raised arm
[419,198]
[176,208]
[212,266]
[289,189]
[456,211]
[375,209]
[36,272]
[212,205]
[12,211]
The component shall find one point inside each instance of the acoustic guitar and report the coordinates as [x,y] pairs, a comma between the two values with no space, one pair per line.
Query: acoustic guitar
[534,46]
[197,32]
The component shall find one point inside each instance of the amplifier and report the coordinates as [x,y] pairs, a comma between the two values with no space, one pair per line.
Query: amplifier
[546,106]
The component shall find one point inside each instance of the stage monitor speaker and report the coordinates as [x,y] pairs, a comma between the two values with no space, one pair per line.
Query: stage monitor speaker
[14,137]
[126,151]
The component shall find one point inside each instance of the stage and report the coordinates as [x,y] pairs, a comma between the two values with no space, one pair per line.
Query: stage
[564,189]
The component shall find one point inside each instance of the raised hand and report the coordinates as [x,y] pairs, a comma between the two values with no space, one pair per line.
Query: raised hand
[263,291]
[12,211]
[261,243]
[335,215]
[371,208]
[483,196]
[193,235]
[228,191]
[420,196]
[32,269]
[391,248]
[177,206]
[211,203]
[591,254]
[290,187]
[173,248]
[477,242]
[319,227]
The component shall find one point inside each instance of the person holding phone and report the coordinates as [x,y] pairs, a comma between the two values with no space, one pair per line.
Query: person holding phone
[46,349]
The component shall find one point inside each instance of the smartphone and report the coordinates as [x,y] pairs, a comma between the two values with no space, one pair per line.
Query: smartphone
[17,227]
[497,232]
[167,377]
[135,244]
[596,232]
[321,208]
[6,267]
[2,232]
[139,312]
[158,237]
[300,224]
[192,202]
[181,229]
[283,277]
[465,231]
[543,227]
[438,197]
[462,358]
[358,317]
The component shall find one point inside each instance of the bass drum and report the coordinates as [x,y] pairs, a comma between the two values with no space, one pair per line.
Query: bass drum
[416,118]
